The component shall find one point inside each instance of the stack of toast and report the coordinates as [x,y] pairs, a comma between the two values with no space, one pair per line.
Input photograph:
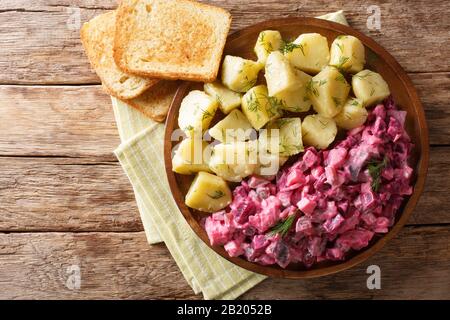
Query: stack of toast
[140,50]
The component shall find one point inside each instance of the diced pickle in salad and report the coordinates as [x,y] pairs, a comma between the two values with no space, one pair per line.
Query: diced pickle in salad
[274,183]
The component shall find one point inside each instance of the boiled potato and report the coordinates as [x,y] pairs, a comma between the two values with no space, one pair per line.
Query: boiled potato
[239,74]
[191,156]
[286,84]
[268,41]
[318,131]
[208,193]
[234,127]
[259,107]
[228,100]
[347,54]
[196,112]
[353,114]
[280,75]
[309,52]
[269,164]
[370,87]
[287,141]
[328,92]
[296,99]
[234,161]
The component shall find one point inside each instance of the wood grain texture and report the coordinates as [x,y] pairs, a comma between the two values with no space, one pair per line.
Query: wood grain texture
[41,48]
[54,194]
[77,121]
[431,205]
[60,194]
[59,121]
[41,41]
[55,5]
[123,265]
[112,265]
[434,92]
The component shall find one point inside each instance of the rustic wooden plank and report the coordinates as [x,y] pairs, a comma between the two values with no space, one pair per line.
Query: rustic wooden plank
[123,265]
[430,209]
[55,5]
[65,194]
[41,47]
[77,121]
[112,265]
[58,194]
[40,41]
[434,92]
[59,121]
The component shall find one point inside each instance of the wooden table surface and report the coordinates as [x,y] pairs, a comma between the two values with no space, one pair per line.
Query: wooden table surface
[65,202]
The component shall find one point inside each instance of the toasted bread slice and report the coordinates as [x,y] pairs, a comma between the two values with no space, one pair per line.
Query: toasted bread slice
[155,102]
[97,37]
[170,39]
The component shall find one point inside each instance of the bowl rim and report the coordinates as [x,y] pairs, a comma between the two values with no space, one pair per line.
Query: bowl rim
[358,257]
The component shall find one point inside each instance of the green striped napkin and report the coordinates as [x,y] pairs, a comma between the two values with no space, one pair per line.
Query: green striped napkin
[141,156]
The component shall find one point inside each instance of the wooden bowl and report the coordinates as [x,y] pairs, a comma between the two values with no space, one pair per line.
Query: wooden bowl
[378,59]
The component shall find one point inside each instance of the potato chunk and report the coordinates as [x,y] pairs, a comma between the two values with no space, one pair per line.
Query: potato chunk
[234,127]
[208,193]
[347,54]
[268,41]
[309,52]
[328,92]
[370,87]
[228,100]
[239,74]
[287,141]
[286,84]
[353,114]
[191,156]
[297,98]
[259,107]
[234,161]
[280,75]
[318,131]
[196,112]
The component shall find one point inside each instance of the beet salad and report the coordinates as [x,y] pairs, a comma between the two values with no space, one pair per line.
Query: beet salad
[327,203]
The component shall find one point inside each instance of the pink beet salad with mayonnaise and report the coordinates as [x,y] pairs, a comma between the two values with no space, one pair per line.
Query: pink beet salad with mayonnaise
[325,205]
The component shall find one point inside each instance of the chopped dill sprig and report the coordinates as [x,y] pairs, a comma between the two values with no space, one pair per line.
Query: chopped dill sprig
[340,46]
[252,103]
[206,114]
[324,124]
[217,195]
[283,227]
[342,60]
[340,78]
[275,105]
[355,103]
[375,168]
[311,88]
[363,76]
[336,101]
[290,46]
